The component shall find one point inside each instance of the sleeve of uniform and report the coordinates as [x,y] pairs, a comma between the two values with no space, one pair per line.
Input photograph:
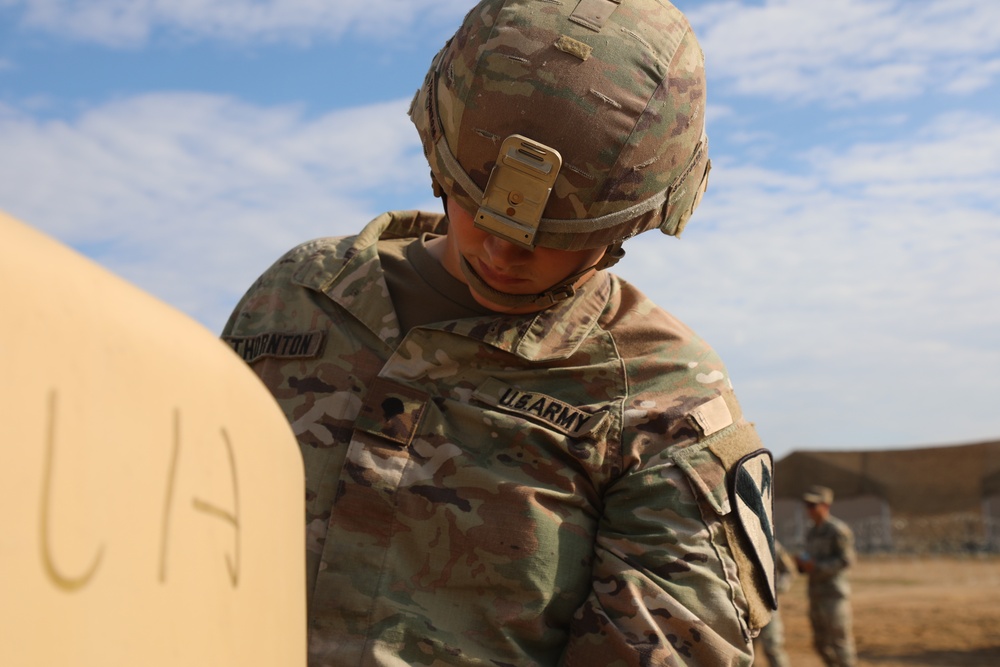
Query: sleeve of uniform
[677,579]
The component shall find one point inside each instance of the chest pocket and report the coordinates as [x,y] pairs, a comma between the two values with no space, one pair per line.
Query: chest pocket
[392,411]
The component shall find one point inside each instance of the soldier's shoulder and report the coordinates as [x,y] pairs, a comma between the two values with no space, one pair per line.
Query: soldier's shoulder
[310,258]
[315,262]
[644,328]
[327,248]
[838,526]
[280,282]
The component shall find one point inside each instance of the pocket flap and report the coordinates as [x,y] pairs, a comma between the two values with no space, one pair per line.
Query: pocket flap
[707,474]
[392,411]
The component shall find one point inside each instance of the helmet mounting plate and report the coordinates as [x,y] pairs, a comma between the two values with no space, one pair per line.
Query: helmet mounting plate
[518,189]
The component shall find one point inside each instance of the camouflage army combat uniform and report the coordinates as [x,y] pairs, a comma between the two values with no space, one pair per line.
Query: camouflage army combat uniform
[771,641]
[830,545]
[538,489]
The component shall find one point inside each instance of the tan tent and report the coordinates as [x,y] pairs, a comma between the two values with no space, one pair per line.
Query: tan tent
[931,498]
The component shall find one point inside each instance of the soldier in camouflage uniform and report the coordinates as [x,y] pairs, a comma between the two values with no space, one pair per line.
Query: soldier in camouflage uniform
[512,456]
[829,551]
[771,641]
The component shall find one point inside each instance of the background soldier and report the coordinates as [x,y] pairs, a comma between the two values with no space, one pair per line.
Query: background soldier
[829,551]
[512,456]
[771,641]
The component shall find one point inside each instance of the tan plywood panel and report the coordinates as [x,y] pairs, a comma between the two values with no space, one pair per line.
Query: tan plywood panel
[151,492]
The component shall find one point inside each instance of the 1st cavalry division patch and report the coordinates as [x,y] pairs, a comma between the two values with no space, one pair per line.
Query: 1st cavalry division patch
[752,493]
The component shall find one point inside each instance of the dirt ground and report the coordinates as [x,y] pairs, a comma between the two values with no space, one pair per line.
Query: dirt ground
[912,612]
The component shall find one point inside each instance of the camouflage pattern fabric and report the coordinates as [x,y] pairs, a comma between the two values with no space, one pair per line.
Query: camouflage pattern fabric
[784,567]
[771,641]
[833,636]
[502,490]
[628,76]
[831,546]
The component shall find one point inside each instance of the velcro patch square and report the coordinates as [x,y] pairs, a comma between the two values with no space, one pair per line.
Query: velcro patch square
[712,416]
[574,47]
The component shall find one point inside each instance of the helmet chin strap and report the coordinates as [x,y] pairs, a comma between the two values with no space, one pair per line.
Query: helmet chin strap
[558,292]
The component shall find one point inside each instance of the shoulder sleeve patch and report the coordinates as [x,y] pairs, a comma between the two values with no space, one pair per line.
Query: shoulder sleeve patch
[752,494]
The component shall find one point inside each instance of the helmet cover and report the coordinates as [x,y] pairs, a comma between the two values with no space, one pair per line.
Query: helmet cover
[617,87]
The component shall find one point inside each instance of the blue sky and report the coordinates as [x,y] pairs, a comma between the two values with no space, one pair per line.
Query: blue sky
[844,261]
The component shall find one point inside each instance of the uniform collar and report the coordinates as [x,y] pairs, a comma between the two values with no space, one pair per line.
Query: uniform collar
[347,271]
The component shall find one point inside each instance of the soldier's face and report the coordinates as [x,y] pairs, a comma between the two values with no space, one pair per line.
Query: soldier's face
[817,512]
[507,267]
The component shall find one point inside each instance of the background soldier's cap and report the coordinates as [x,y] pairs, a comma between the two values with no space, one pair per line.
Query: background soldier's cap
[818,494]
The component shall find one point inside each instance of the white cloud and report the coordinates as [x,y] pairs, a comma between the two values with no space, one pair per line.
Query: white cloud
[130,22]
[716,112]
[957,158]
[853,294]
[191,195]
[975,76]
[849,51]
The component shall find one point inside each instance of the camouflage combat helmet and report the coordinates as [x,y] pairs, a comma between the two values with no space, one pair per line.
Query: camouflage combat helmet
[615,88]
